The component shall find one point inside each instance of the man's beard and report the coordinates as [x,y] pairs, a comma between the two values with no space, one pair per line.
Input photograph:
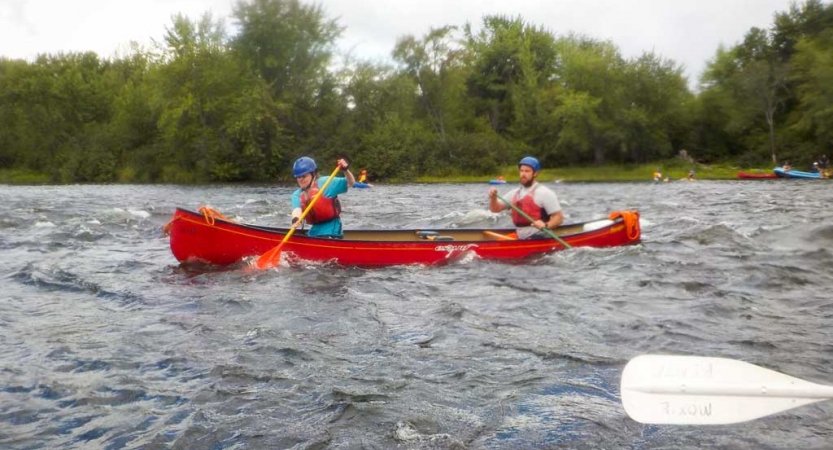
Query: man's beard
[528,184]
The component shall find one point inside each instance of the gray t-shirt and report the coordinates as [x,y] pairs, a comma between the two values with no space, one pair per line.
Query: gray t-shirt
[542,196]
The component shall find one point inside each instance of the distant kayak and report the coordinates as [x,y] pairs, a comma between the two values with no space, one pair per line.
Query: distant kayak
[497,181]
[755,176]
[362,185]
[797,174]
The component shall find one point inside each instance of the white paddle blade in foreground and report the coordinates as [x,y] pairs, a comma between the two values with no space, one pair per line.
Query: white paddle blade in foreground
[694,390]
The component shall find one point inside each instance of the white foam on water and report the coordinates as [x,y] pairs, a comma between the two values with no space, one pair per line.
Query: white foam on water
[139,213]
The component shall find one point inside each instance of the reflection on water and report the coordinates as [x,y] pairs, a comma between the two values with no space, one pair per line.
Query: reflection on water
[107,342]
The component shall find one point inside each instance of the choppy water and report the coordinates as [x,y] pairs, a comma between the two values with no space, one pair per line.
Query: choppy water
[107,342]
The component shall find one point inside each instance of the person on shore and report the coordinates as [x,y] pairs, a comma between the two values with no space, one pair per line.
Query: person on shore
[691,175]
[536,200]
[325,215]
[815,168]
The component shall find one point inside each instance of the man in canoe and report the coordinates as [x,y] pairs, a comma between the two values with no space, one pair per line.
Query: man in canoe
[325,215]
[534,199]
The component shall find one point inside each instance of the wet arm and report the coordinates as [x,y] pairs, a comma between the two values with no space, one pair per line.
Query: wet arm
[556,219]
[495,205]
[350,178]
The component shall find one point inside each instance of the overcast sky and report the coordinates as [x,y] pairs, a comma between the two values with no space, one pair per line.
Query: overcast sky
[687,31]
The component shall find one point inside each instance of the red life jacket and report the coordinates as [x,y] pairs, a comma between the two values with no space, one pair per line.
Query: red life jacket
[325,208]
[527,205]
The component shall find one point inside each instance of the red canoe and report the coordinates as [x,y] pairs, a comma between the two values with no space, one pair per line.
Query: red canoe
[747,175]
[209,237]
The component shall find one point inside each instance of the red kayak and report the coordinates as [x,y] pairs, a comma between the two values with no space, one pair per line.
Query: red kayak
[753,176]
[210,237]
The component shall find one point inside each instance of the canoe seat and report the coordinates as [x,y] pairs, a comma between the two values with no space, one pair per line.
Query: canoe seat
[433,236]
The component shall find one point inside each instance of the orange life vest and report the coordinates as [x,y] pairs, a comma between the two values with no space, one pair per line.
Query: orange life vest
[325,208]
[527,205]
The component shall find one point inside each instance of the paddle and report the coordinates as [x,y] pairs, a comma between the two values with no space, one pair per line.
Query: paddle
[547,230]
[498,236]
[697,390]
[273,257]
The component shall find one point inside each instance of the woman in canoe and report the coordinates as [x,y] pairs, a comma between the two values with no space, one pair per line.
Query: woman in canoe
[325,215]
[534,199]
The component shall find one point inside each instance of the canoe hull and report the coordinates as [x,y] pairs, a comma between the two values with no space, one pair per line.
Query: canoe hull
[796,174]
[198,238]
[756,176]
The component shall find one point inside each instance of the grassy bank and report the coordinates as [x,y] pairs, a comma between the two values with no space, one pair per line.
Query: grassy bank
[8,176]
[674,170]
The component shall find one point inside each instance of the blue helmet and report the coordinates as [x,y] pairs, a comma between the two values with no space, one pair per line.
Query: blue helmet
[531,162]
[303,166]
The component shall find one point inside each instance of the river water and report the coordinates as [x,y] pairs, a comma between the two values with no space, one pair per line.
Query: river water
[106,342]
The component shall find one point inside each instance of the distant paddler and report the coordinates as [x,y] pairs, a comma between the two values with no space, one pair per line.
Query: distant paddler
[362,181]
[657,176]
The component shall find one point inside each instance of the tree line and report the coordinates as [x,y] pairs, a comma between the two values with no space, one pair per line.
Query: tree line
[205,105]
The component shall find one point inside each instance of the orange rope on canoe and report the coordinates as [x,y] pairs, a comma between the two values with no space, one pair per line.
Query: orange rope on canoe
[208,213]
[166,230]
[631,220]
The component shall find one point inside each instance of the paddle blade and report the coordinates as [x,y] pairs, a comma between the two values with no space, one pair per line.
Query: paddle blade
[269,259]
[273,257]
[694,390]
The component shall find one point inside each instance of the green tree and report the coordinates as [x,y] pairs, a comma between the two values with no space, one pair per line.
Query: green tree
[195,81]
[591,75]
[814,74]
[503,55]
[13,112]
[803,36]
[133,126]
[289,45]
[756,80]
[656,111]
[763,80]
[431,63]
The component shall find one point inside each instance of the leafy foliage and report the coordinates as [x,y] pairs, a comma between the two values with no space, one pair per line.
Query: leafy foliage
[205,105]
